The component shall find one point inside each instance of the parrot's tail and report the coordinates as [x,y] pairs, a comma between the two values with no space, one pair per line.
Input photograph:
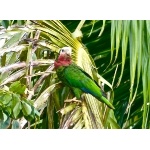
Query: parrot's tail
[104,100]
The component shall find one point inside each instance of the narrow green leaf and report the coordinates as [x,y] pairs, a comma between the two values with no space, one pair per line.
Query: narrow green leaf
[42,99]
[13,77]
[118,36]
[133,59]
[4,51]
[93,23]
[125,37]
[102,28]
[12,58]
[113,33]
[77,34]
[145,95]
[103,80]
[55,25]
[14,39]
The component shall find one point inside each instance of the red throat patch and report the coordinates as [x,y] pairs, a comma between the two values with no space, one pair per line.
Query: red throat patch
[63,60]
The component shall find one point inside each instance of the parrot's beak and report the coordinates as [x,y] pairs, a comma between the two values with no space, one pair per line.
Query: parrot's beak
[68,51]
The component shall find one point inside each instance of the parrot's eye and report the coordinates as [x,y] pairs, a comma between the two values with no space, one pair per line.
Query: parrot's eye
[62,50]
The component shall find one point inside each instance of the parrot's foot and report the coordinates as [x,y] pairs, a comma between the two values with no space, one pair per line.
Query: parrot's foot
[72,100]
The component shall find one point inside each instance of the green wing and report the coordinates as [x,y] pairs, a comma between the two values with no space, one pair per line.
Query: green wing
[78,78]
[75,77]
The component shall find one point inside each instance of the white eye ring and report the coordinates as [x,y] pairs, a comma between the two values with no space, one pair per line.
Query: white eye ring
[62,50]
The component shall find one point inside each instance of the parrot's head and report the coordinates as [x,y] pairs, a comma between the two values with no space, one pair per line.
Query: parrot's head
[64,58]
[65,51]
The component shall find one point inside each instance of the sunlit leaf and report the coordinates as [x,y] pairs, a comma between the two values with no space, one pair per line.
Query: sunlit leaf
[67,109]
[13,77]
[5,117]
[17,87]
[26,108]
[42,99]
[14,39]
[15,100]
[6,98]
[16,109]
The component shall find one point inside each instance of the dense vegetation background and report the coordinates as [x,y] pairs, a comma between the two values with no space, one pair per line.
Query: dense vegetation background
[115,53]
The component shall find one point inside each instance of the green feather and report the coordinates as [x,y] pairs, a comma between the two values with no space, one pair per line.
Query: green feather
[77,79]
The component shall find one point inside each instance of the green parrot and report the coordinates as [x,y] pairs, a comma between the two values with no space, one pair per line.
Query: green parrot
[76,78]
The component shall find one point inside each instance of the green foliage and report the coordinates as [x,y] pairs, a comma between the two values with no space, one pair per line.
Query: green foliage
[5,23]
[17,87]
[13,105]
